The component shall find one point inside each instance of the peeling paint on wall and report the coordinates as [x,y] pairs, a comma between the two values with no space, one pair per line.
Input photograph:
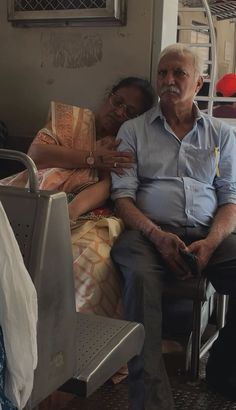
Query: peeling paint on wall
[70,50]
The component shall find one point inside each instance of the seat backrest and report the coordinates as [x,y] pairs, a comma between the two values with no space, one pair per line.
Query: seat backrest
[41,225]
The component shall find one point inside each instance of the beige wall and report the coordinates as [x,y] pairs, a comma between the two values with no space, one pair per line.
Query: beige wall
[73,65]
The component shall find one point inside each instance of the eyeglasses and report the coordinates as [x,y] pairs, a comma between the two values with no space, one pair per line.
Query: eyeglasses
[117,101]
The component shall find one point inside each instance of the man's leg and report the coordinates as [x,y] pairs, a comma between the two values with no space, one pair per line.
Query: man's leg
[141,269]
[221,366]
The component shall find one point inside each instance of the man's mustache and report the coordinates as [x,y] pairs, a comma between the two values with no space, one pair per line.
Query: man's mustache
[170,88]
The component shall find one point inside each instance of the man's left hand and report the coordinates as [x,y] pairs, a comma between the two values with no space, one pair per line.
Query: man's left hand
[203,250]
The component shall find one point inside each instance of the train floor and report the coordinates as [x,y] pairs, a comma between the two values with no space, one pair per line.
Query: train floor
[187,396]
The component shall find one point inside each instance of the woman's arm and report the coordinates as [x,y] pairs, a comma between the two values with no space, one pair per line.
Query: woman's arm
[56,156]
[90,198]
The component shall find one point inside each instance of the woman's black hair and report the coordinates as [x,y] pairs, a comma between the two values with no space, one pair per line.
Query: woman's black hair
[141,84]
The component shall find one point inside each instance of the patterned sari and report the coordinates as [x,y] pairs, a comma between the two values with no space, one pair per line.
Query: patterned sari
[97,285]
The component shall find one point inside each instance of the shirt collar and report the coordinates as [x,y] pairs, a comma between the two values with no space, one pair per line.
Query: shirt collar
[156,112]
[197,113]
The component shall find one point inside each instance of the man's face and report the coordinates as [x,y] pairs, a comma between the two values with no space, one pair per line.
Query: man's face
[177,81]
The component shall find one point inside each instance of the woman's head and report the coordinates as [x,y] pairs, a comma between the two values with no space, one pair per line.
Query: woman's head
[128,98]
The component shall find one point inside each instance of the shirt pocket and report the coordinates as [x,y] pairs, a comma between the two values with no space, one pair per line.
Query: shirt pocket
[202,164]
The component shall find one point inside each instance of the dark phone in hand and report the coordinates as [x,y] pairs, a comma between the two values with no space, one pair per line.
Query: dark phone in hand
[191,260]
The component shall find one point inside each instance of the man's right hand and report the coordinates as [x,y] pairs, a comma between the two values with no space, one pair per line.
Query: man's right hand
[169,245]
[107,158]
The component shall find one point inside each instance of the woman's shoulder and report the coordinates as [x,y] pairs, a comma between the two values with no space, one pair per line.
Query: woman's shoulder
[65,107]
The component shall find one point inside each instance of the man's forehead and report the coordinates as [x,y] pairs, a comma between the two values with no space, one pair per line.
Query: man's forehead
[176,60]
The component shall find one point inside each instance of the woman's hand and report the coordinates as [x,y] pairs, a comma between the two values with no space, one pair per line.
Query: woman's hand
[107,158]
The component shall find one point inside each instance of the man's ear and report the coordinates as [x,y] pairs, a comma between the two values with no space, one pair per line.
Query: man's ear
[199,84]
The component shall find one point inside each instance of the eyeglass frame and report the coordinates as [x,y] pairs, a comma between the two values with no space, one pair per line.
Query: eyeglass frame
[122,105]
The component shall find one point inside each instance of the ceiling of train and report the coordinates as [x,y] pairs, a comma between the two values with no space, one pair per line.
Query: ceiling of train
[222,9]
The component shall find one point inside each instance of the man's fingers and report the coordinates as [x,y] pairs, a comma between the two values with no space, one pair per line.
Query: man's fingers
[185,277]
[179,269]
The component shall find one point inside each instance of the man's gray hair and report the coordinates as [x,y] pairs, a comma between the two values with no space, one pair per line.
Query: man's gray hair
[183,49]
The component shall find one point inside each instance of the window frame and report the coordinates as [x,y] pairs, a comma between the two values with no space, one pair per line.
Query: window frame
[113,14]
[201,34]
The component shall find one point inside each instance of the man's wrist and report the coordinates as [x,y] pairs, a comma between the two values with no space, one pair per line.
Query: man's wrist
[213,241]
[152,231]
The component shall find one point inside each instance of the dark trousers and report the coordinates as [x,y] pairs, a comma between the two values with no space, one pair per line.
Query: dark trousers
[143,271]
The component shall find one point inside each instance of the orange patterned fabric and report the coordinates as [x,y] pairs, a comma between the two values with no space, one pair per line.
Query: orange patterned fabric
[97,283]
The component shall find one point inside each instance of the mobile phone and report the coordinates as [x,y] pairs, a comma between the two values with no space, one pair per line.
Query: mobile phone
[191,260]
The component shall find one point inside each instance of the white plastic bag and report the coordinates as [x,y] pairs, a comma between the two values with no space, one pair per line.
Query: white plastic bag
[18,317]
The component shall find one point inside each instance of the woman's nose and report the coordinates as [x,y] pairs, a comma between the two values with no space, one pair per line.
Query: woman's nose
[120,111]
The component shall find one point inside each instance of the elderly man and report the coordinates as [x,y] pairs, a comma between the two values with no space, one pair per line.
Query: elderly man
[180,197]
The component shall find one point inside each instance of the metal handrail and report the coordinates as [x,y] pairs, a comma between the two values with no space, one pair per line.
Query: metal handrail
[27,162]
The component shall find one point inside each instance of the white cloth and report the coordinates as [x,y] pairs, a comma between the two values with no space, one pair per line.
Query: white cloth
[18,317]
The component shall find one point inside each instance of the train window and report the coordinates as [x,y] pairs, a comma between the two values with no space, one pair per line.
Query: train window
[69,12]
[201,36]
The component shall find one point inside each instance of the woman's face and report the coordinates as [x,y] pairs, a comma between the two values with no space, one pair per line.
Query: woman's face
[125,103]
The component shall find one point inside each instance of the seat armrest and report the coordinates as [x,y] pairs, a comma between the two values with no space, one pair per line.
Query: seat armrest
[195,288]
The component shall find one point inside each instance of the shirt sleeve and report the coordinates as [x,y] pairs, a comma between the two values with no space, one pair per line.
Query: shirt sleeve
[225,181]
[126,185]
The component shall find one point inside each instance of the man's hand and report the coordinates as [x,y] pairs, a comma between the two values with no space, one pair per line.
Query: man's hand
[203,250]
[223,224]
[169,245]
[107,158]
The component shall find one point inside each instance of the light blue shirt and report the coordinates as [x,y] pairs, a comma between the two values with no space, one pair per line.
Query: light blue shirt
[180,183]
